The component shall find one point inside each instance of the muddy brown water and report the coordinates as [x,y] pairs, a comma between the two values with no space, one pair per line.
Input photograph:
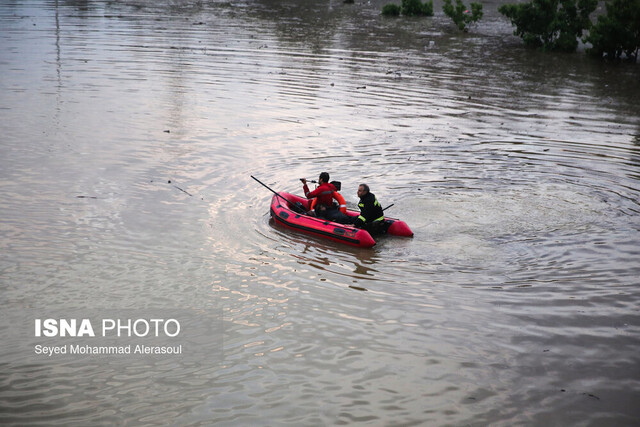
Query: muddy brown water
[516,303]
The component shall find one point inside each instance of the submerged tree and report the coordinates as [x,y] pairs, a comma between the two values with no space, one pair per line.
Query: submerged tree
[409,8]
[617,32]
[417,8]
[550,24]
[391,10]
[461,15]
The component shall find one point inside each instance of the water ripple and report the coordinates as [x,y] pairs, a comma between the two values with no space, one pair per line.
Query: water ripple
[130,131]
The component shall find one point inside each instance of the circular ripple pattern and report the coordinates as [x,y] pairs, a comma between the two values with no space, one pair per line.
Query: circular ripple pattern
[130,130]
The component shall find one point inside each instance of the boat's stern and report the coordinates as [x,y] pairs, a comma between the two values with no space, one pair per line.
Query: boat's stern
[399,228]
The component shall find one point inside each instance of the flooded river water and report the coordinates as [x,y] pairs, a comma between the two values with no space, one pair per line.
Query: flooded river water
[129,131]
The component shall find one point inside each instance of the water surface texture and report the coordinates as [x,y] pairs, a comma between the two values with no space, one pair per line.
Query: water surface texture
[129,131]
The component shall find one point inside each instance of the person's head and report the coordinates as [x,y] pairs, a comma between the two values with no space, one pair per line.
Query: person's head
[363,190]
[324,177]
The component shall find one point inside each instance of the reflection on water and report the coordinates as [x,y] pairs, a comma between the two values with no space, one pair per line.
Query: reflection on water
[514,304]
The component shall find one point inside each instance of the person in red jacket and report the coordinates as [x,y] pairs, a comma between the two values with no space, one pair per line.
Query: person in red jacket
[324,194]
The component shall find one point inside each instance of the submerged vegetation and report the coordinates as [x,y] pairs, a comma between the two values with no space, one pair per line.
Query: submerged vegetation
[550,24]
[557,25]
[417,8]
[461,15]
[409,8]
[391,10]
[617,32]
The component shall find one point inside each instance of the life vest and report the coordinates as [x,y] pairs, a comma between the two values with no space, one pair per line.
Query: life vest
[338,197]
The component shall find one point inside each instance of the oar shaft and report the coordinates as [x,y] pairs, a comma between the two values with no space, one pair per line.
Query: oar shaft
[293,206]
[265,185]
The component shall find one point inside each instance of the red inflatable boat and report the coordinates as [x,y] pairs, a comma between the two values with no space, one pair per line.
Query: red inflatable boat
[284,213]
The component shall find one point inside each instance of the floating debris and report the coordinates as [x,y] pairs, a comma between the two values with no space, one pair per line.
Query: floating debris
[591,395]
[184,191]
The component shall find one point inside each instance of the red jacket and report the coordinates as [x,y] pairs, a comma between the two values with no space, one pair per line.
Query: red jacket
[324,193]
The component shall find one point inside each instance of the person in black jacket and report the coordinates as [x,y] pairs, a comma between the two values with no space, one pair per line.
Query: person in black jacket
[371,216]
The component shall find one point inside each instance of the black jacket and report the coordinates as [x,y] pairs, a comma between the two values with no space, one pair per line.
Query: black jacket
[370,211]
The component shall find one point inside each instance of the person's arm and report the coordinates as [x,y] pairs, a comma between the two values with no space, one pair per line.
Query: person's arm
[305,189]
[315,193]
[361,219]
[368,211]
[311,194]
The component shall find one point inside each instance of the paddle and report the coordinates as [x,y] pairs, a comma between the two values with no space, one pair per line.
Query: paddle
[293,205]
[388,207]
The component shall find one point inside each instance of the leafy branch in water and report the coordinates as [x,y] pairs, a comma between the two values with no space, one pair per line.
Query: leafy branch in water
[461,15]
[391,10]
[417,8]
[409,8]
[617,32]
[550,24]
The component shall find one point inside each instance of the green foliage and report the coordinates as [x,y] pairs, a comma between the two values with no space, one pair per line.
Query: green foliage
[417,8]
[618,31]
[550,24]
[461,15]
[409,8]
[391,10]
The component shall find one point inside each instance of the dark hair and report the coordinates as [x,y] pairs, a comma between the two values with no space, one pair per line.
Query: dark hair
[365,187]
[324,176]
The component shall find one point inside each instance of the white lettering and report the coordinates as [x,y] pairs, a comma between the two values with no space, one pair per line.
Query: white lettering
[155,322]
[50,328]
[105,328]
[135,327]
[67,327]
[145,349]
[166,327]
[100,350]
[140,327]
[63,328]
[126,328]
[50,351]
[86,329]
